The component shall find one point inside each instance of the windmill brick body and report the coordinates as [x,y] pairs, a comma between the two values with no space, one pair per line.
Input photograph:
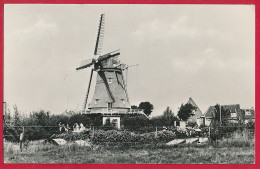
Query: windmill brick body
[110,98]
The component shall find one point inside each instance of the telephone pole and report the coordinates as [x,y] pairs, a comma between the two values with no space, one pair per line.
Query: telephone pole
[220,114]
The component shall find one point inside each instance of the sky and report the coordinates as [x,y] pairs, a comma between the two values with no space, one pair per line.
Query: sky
[206,52]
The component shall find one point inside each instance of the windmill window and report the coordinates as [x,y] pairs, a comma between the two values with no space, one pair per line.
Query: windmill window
[193,112]
[109,62]
[123,101]
[109,106]
[109,80]
[96,101]
[233,115]
[104,63]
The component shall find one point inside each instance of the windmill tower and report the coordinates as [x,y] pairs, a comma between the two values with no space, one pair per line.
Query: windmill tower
[110,97]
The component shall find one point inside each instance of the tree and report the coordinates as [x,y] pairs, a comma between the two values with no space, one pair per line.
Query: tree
[7,115]
[168,116]
[147,107]
[224,114]
[17,118]
[186,111]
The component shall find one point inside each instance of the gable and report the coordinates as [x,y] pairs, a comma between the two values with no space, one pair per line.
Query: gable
[197,112]
[210,112]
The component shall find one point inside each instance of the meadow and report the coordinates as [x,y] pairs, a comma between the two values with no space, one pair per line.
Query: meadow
[227,151]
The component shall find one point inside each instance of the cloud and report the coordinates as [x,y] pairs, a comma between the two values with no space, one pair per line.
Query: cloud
[162,29]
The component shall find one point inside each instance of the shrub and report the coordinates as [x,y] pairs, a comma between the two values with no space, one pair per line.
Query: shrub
[134,122]
[129,137]
[12,134]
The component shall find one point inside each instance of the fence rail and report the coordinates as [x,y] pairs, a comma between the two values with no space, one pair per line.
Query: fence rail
[10,130]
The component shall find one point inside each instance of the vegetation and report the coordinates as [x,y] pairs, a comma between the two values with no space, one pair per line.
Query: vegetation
[167,119]
[134,122]
[224,113]
[186,111]
[147,107]
[140,140]
[17,117]
[41,125]
[228,151]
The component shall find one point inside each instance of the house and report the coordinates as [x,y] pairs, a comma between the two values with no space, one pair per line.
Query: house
[179,123]
[249,115]
[196,117]
[208,116]
[234,114]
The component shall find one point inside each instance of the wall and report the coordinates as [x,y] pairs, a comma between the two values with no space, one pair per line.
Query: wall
[111,120]
[207,121]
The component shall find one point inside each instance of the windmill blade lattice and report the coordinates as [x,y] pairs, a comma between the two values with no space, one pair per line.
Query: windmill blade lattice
[86,98]
[100,35]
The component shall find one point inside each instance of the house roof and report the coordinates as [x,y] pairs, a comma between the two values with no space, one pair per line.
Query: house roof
[210,112]
[191,101]
[198,112]
[233,108]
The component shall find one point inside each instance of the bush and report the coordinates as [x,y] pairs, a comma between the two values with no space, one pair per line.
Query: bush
[12,134]
[111,136]
[192,124]
[131,121]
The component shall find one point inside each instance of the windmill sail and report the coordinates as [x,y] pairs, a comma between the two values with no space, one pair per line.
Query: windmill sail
[110,94]
[86,98]
[100,35]
[85,63]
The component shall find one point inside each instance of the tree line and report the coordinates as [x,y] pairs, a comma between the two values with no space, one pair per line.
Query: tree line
[42,124]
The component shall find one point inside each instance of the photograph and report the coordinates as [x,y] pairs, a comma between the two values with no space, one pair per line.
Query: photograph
[129,83]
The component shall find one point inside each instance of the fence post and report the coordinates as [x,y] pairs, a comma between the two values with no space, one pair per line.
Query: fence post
[69,144]
[93,132]
[21,139]
[209,131]
[155,132]
[246,134]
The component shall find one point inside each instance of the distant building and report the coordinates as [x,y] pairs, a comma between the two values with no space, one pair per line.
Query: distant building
[196,117]
[235,115]
[249,115]
[208,116]
[180,123]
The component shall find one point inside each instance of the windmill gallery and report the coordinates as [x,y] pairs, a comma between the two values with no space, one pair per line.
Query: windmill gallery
[110,99]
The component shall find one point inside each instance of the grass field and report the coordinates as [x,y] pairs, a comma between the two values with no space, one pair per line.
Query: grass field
[228,151]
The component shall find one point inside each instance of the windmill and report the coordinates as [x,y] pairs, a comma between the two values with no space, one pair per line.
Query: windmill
[110,94]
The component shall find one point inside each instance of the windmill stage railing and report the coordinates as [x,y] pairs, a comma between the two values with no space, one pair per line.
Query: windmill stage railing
[136,110]
[116,111]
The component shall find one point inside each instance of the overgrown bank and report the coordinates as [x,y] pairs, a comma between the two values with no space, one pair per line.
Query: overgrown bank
[228,151]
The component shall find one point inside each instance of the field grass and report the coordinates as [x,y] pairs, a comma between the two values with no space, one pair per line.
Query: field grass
[228,151]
